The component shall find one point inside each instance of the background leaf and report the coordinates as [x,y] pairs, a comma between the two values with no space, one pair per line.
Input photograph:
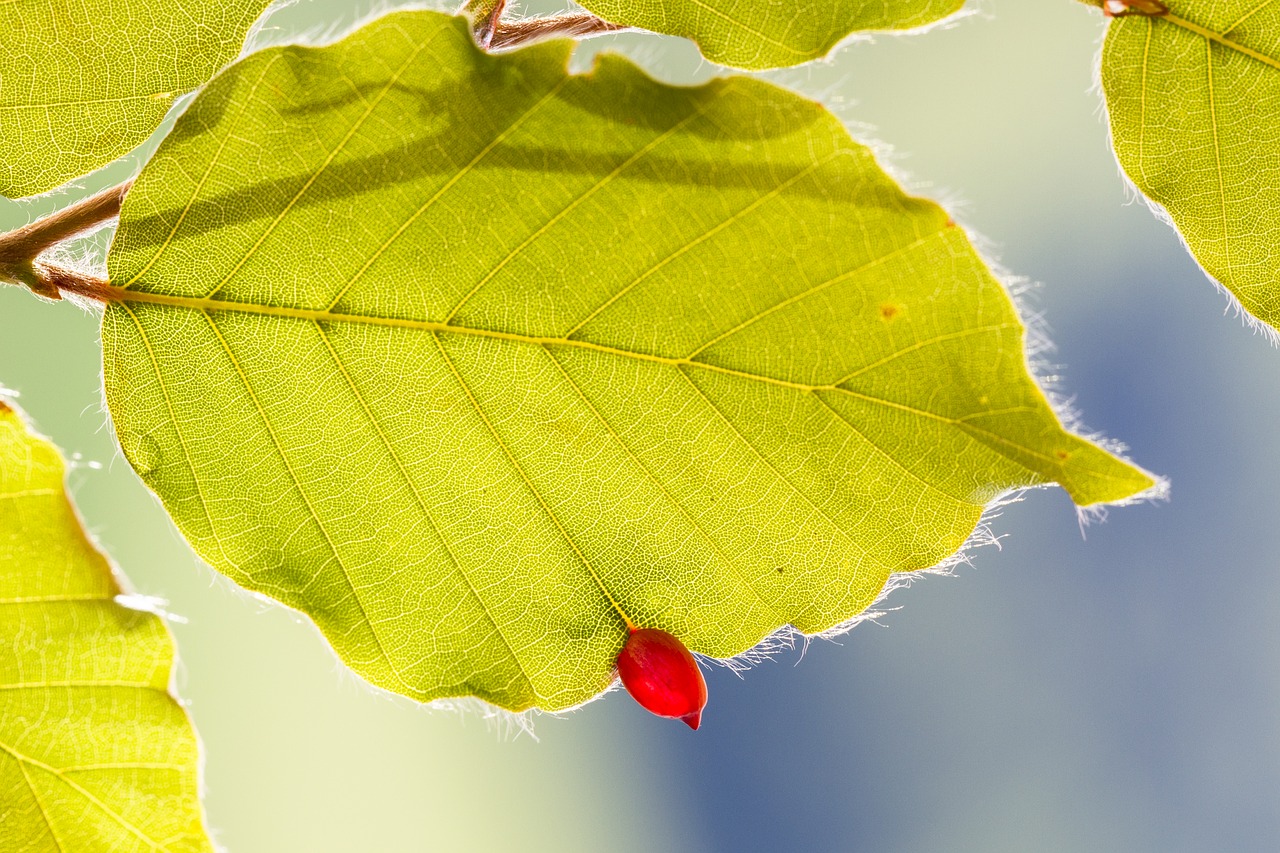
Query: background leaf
[1194,101]
[468,358]
[94,752]
[770,35]
[83,82]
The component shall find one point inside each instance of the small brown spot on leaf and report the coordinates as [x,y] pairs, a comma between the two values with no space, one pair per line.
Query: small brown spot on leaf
[1064,455]
[890,311]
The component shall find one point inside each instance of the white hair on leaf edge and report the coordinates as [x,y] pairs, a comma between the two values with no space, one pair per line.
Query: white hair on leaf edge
[951,21]
[1232,305]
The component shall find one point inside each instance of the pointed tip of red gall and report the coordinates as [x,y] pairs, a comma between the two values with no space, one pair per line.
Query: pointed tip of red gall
[661,674]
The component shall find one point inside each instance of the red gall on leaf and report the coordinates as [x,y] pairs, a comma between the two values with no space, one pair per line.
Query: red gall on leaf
[660,673]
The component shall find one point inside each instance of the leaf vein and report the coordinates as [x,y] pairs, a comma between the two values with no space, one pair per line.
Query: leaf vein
[422,506]
[56,773]
[80,102]
[729,561]
[919,345]
[266,421]
[1247,15]
[550,223]
[886,454]
[1217,155]
[458,176]
[845,276]
[475,405]
[753,31]
[703,237]
[1221,39]
[44,811]
[781,477]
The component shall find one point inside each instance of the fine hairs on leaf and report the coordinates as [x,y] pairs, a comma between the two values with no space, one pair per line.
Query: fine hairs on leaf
[771,35]
[1192,96]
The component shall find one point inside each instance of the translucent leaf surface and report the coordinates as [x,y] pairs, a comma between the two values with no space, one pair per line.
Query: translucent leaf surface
[94,752]
[83,82]
[474,361]
[1194,100]
[751,34]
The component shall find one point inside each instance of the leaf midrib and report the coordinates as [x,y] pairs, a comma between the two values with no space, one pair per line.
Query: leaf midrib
[114,294]
[82,102]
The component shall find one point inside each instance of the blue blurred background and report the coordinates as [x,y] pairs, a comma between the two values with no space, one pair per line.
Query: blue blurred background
[1119,692]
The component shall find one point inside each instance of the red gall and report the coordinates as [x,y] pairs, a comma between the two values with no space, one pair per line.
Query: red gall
[660,673]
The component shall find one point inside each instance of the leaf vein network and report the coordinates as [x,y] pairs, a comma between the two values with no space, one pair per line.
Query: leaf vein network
[208,305]
[617,437]
[422,506]
[25,760]
[315,518]
[519,469]
[597,186]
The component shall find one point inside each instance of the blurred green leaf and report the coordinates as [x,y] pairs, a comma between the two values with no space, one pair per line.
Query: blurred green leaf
[473,360]
[772,34]
[1194,100]
[94,752]
[83,82]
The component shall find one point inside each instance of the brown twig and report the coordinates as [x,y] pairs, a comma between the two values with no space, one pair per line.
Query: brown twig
[29,241]
[493,33]
[484,15]
[509,34]
[20,249]
[63,281]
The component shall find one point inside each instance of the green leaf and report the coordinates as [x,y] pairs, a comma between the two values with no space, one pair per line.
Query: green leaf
[1194,100]
[474,361]
[771,34]
[83,82]
[94,752]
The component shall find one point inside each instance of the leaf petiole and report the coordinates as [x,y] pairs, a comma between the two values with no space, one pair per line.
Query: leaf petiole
[20,249]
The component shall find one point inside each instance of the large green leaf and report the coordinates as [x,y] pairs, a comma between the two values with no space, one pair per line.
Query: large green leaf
[475,361]
[1194,99]
[94,752]
[83,82]
[750,34]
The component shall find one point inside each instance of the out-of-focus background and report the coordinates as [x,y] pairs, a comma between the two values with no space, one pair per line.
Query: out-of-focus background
[1116,692]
